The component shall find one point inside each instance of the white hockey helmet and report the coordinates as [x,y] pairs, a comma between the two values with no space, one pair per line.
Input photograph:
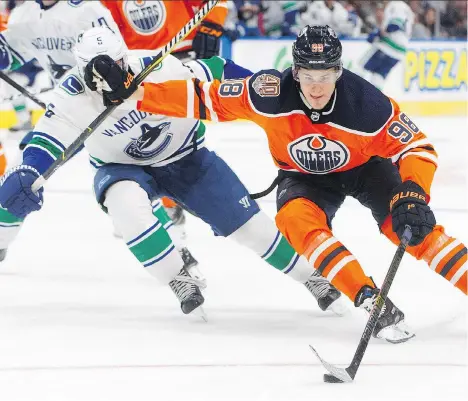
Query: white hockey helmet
[96,41]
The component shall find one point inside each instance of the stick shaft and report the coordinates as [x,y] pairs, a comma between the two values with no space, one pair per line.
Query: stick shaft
[379,303]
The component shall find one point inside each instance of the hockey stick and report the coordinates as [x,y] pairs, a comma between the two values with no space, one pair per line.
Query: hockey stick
[20,89]
[70,151]
[340,375]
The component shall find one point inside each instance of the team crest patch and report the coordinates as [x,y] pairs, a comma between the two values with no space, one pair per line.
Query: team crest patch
[318,155]
[152,142]
[72,85]
[146,17]
[267,85]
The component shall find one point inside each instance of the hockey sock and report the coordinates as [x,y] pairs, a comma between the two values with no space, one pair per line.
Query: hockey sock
[176,232]
[445,255]
[261,235]
[305,226]
[146,236]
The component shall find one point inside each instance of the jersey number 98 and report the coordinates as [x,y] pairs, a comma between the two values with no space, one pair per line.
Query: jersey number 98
[231,89]
[403,129]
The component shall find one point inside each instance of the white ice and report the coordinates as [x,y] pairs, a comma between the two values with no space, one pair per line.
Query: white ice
[81,320]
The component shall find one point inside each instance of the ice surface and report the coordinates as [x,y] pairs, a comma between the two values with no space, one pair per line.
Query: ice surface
[81,320]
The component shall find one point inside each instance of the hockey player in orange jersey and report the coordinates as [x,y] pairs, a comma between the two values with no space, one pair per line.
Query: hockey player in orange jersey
[152,24]
[331,134]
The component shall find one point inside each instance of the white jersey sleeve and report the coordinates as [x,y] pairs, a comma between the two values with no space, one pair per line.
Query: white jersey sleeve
[397,25]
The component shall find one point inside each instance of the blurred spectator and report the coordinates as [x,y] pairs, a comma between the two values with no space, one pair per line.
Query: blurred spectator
[348,17]
[247,13]
[333,13]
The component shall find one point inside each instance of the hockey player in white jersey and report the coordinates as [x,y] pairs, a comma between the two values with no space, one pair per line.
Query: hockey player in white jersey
[139,156]
[46,30]
[389,43]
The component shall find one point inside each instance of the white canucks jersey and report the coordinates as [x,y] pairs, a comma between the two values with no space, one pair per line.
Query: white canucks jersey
[49,35]
[396,29]
[127,136]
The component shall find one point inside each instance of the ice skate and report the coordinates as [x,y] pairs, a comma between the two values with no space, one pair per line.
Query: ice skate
[390,325]
[327,296]
[187,289]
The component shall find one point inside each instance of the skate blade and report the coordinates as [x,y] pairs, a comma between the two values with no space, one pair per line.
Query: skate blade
[338,307]
[200,312]
[396,334]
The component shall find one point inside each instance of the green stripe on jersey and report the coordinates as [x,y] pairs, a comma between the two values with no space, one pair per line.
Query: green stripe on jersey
[152,245]
[8,218]
[282,255]
[215,65]
[97,161]
[47,145]
[393,45]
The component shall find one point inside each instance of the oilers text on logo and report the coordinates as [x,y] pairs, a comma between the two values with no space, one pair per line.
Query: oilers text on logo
[318,155]
[146,17]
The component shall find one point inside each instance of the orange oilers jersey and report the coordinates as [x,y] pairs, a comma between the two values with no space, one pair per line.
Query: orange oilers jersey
[358,123]
[152,24]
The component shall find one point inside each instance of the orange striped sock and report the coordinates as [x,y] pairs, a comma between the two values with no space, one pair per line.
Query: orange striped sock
[331,258]
[447,256]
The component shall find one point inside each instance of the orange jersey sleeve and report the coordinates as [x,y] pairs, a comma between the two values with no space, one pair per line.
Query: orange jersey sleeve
[215,101]
[408,147]
[152,24]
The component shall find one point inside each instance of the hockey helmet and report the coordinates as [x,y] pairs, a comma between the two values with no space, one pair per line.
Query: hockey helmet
[317,47]
[96,41]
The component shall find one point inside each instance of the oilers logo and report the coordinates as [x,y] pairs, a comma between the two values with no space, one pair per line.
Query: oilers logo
[145,17]
[318,155]
[152,142]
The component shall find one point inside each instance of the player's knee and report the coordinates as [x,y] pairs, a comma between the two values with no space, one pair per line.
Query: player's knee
[300,220]
[128,204]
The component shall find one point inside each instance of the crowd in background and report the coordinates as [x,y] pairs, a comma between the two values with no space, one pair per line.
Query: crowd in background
[433,18]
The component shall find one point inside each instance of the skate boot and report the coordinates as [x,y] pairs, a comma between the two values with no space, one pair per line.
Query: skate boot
[187,290]
[390,324]
[176,214]
[325,293]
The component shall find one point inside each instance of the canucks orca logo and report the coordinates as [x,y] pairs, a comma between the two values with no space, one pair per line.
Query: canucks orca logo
[146,17]
[147,145]
[318,155]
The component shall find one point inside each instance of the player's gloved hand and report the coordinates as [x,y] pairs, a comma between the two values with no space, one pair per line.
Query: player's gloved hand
[373,35]
[207,40]
[16,195]
[105,75]
[408,206]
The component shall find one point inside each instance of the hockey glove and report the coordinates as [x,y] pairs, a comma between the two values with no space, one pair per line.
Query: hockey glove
[105,75]
[207,40]
[374,35]
[408,206]
[16,195]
